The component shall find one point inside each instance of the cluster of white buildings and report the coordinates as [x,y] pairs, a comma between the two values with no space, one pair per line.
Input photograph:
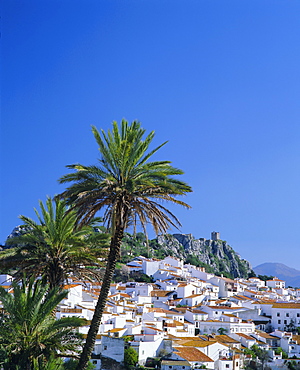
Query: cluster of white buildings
[190,318]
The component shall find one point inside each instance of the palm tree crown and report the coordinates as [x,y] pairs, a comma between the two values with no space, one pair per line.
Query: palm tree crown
[125,181]
[54,247]
[29,334]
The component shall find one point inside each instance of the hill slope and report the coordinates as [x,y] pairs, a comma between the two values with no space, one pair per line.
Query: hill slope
[290,275]
[215,255]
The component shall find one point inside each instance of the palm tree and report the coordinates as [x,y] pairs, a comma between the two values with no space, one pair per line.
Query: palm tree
[129,189]
[29,334]
[54,247]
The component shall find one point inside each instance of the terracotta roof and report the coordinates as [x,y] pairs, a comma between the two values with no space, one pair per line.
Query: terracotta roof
[116,330]
[193,296]
[192,354]
[195,310]
[69,286]
[159,293]
[287,305]
[197,343]
[216,308]
[245,336]
[296,338]
[266,335]
[225,339]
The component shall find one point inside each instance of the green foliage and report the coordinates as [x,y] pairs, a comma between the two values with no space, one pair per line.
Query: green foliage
[29,333]
[265,277]
[251,274]
[278,351]
[293,365]
[128,338]
[260,353]
[222,331]
[194,260]
[130,357]
[54,247]
[71,365]
[248,351]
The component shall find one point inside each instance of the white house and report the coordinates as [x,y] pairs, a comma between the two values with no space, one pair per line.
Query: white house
[285,315]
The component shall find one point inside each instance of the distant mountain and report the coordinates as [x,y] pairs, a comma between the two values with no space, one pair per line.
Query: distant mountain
[290,275]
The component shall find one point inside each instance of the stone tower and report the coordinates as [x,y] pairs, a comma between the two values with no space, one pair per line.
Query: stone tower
[215,235]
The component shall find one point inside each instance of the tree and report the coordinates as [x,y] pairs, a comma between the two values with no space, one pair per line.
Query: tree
[279,351]
[30,336]
[222,331]
[291,327]
[261,354]
[130,357]
[54,247]
[129,189]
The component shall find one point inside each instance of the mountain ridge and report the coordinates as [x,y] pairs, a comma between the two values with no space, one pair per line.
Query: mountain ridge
[283,272]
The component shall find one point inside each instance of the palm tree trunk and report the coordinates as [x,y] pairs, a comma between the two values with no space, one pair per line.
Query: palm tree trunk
[114,254]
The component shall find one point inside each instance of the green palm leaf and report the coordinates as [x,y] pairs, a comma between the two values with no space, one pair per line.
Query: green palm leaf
[55,248]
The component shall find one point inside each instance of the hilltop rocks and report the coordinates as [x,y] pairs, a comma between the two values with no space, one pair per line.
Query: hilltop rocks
[216,255]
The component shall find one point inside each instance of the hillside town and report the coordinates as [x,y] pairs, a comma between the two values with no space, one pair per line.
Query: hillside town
[187,318]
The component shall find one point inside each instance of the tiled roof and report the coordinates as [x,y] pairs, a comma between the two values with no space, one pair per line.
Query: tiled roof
[286,305]
[159,293]
[296,338]
[193,296]
[69,286]
[192,354]
[197,343]
[225,339]
[245,336]
[116,330]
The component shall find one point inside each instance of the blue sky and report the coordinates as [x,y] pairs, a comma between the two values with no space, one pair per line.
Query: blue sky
[218,79]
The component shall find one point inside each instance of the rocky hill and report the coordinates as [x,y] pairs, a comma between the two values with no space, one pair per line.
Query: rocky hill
[215,255]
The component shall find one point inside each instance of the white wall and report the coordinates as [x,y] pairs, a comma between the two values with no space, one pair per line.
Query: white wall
[113,348]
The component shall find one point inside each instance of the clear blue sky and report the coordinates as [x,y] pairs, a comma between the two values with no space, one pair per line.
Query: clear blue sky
[219,79]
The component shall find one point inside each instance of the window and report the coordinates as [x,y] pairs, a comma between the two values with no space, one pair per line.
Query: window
[237,364]
[287,314]
[285,322]
[279,321]
[278,314]
[95,362]
[298,314]
[227,366]
[105,348]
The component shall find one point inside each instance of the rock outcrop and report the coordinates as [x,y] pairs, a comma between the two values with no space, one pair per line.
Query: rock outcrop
[215,255]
